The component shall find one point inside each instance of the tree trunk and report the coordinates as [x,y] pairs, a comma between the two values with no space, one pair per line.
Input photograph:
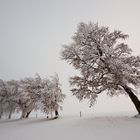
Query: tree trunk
[51,113]
[9,117]
[23,114]
[27,115]
[56,113]
[133,97]
[1,114]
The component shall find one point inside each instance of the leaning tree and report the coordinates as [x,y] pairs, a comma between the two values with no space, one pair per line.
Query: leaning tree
[105,63]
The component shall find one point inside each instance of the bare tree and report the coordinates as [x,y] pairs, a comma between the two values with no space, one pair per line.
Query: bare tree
[105,63]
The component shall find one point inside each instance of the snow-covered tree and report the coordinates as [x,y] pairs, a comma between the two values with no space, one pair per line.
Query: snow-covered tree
[2,97]
[52,96]
[8,92]
[105,63]
[12,104]
[30,94]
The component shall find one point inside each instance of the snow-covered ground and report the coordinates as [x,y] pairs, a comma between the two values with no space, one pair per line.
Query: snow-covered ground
[95,127]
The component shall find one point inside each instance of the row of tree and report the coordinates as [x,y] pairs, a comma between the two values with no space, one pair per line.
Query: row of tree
[31,93]
[105,63]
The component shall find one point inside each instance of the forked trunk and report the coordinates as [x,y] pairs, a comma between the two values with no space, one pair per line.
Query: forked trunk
[133,97]
[23,115]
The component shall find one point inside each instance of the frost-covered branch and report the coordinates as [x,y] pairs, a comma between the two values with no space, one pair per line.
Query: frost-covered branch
[104,61]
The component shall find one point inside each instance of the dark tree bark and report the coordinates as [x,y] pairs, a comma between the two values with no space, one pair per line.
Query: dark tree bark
[133,97]
[56,113]
[27,115]
[1,113]
[9,117]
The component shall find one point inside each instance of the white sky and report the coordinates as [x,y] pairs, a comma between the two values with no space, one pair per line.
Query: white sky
[32,33]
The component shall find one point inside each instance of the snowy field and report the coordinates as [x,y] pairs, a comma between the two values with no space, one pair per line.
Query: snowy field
[72,128]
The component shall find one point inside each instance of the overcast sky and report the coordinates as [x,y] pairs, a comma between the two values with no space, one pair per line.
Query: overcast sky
[32,33]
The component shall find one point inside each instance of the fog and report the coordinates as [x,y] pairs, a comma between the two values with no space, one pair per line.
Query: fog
[32,33]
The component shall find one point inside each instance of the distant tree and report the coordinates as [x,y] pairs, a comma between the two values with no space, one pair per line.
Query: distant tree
[8,92]
[30,94]
[1,110]
[105,63]
[12,104]
[2,97]
[52,96]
